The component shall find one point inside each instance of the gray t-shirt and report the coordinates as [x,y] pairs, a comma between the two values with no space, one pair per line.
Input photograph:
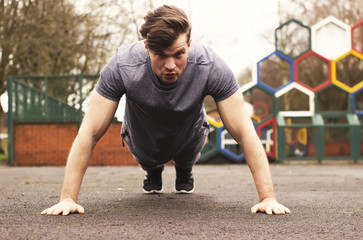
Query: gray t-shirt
[160,120]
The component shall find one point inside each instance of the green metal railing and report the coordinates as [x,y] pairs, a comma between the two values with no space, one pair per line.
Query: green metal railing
[31,104]
[351,127]
[30,101]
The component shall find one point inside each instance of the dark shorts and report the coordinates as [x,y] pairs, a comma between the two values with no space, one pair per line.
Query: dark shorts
[185,158]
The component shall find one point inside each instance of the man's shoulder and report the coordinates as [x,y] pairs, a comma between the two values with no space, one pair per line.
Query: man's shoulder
[131,54]
[200,54]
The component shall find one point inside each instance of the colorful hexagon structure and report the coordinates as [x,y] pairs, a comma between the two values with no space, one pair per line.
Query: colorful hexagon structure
[262,102]
[310,72]
[357,103]
[275,71]
[357,37]
[267,134]
[347,71]
[327,46]
[303,112]
[292,38]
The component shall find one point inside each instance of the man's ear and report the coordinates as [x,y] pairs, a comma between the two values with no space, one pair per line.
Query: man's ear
[146,47]
[189,43]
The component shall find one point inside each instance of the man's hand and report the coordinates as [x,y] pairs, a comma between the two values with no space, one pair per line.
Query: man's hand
[65,206]
[270,206]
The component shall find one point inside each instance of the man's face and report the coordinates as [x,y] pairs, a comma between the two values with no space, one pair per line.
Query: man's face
[169,64]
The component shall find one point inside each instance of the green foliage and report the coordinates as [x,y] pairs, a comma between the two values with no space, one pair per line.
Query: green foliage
[4,150]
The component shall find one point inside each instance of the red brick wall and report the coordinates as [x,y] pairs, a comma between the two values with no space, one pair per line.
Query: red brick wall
[49,145]
[337,148]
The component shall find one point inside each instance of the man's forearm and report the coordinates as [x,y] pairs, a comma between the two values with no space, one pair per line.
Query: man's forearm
[77,164]
[259,166]
[238,123]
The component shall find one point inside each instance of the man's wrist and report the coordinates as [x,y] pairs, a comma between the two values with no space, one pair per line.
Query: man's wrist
[268,199]
[67,199]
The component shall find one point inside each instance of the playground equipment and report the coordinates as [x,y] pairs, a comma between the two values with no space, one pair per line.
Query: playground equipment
[307,95]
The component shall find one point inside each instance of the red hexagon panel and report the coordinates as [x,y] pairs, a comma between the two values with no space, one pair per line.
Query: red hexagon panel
[357,37]
[313,71]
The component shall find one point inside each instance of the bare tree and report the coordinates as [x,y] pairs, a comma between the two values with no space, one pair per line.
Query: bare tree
[310,12]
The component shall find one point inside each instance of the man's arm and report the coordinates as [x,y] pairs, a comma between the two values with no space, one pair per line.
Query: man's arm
[238,123]
[95,123]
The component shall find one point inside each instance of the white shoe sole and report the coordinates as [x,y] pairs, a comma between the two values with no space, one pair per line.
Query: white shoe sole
[154,191]
[184,191]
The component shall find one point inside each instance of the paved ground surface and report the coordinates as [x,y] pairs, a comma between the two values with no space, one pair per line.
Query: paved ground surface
[326,203]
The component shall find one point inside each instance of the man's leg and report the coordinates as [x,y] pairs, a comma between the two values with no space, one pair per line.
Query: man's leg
[184,163]
[153,180]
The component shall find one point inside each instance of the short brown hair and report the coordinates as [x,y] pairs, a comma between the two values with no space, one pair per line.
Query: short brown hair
[163,26]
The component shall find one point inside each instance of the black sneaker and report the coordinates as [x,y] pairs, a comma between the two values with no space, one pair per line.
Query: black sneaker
[153,182]
[184,180]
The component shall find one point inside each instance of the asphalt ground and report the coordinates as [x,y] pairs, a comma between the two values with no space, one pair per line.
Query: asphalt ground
[326,203]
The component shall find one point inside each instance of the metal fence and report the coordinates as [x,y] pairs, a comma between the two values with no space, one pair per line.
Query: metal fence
[40,99]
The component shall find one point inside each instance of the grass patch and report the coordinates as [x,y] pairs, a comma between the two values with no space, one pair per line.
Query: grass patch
[3,158]
[4,152]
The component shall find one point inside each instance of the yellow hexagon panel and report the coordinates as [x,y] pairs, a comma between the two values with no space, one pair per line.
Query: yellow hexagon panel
[350,62]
